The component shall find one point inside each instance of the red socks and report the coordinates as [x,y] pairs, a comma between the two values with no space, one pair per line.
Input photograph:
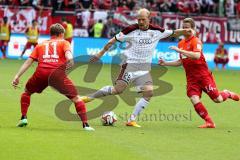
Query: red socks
[80,107]
[25,102]
[225,95]
[81,111]
[202,112]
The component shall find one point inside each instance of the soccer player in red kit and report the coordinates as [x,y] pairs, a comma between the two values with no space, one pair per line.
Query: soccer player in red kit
[54,56]
[199,78]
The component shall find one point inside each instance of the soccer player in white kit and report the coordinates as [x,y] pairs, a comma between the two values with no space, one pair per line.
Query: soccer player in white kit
[143,38]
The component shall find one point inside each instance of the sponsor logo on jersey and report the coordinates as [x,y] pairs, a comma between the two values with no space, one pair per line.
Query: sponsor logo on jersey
[145,41]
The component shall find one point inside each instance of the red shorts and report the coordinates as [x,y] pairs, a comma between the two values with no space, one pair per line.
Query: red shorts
[44,77]
[30,44]
[221,60]
[4,42]
[206,84]
[69,40]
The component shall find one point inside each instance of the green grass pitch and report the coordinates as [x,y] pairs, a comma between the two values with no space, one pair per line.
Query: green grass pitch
[48,137]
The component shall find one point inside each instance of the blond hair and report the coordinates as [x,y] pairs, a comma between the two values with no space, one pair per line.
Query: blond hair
[56,29]
[190,21]
[144,10]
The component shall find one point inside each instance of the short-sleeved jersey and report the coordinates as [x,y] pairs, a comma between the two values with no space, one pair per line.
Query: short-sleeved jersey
[141,43]
[51,53]
[194,68]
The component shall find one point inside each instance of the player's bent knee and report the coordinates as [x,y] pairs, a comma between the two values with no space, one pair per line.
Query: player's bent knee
[117,91]
[147,95]
[119,87]
[76,99]
[27,92]
[195,99]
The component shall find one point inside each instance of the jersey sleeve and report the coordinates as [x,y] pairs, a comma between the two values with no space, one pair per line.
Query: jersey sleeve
[162,33]
[165,34]
[34,54]
[66,47]
[196,45]
[123,35]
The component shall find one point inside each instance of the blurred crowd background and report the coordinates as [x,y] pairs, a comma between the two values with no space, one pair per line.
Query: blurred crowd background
[209,7]
[104,18]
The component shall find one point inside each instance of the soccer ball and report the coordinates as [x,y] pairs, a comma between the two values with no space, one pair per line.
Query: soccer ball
[108,118]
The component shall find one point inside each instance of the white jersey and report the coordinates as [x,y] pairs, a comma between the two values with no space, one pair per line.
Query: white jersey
[141,43]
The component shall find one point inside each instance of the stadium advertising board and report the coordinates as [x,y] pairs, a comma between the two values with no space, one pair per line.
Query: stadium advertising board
[91,46]
[17,43]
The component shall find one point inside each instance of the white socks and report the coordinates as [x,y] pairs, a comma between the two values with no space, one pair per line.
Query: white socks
[141,104]
[105,91]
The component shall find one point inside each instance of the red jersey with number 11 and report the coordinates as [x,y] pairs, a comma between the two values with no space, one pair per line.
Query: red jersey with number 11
[51,53]
[194,68]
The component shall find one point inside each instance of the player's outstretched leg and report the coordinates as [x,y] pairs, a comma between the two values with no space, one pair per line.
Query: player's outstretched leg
[232,95]
[81,111]
[140,106]
[25,102]
[202,112]
[226,94]
[105,91]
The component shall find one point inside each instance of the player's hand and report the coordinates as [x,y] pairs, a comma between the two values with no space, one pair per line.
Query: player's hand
[161,62]
[174,48]
[191,31]
[94,58]
[15,82]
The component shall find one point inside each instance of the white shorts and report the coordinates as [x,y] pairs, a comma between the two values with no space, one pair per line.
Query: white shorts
[138,78]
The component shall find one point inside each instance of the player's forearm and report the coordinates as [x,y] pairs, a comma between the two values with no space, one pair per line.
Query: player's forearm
[24,67]
[69,58]
[106,47]
[181,32]
[190,54]
[178,32]
[174,63]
